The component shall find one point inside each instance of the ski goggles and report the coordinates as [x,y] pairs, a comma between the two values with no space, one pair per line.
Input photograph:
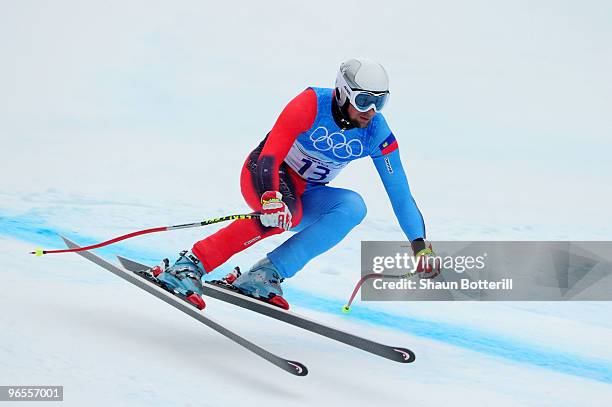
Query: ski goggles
[364,100]
[361,99]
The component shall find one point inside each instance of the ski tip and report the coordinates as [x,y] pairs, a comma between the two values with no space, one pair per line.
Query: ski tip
[296,368]
[404,355]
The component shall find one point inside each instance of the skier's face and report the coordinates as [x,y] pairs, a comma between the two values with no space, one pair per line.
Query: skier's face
[360,119]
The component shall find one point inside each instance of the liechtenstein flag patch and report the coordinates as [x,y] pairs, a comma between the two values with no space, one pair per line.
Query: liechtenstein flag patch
[389,145]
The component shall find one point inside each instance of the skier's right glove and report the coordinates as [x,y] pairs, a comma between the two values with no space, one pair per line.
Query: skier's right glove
[428,265]
[274,212]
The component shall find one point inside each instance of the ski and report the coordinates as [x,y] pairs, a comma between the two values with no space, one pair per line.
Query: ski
[394,353]
[293,367]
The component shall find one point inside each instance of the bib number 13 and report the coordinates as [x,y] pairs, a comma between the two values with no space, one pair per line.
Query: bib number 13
[316,173]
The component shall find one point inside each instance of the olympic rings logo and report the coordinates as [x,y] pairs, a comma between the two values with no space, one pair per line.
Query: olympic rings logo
[336,142]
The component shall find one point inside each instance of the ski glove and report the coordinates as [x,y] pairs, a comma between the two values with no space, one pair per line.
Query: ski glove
[428,265]
[274,212]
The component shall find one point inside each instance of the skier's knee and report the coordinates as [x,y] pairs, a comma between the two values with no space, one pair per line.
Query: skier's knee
[354,208]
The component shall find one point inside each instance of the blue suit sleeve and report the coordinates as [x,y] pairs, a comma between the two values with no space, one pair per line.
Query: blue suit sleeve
[389,166]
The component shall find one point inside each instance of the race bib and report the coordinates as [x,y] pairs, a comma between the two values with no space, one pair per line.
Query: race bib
[312,168]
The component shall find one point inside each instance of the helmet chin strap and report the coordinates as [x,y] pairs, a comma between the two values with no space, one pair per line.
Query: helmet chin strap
[340,114]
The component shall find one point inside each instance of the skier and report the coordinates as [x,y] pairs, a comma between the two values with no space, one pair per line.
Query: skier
[286,177]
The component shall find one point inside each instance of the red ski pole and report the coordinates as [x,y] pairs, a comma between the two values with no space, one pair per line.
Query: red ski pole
[363,279]
[40,252]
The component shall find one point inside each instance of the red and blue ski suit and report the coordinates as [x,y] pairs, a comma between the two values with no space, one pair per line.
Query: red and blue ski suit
[303,152]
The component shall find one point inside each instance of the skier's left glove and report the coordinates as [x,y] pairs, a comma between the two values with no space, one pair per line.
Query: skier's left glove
[274,212]
[428,265]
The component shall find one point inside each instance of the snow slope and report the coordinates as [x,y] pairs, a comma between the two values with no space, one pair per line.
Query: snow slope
[119,116]
[75,324]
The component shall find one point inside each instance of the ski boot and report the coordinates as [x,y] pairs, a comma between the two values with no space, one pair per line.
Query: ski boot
[184,278]
[229,279]
[262,281]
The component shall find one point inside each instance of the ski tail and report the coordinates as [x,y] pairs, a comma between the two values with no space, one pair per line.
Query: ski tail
[293,367]
[132,265]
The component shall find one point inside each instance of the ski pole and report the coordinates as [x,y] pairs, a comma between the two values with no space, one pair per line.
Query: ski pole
[40,252]
[363,279]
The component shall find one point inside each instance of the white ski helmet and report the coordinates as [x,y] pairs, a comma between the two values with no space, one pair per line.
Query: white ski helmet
[362,82]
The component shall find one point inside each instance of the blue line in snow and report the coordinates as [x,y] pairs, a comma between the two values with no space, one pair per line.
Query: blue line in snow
[32,229]
[476,340]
